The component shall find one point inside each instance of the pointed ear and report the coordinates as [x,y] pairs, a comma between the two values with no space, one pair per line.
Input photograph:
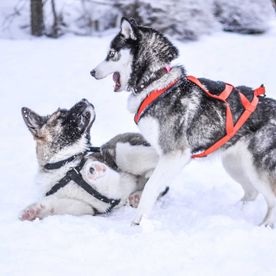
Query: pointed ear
[32,120]
[128,28]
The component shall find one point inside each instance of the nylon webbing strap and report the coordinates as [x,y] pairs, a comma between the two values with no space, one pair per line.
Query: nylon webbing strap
[231,129]
[150,99]
[75,175]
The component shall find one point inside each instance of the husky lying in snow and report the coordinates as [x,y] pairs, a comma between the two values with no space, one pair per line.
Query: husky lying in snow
[185,120]
[77,178]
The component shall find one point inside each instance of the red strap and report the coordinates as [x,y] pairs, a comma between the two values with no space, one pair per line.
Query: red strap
[222,97]
[150,98]
[260,90]
[232,129]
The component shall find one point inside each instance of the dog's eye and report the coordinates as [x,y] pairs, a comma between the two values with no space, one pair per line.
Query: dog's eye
[112,55]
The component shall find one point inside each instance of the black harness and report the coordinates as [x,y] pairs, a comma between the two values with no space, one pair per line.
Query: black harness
[74,175]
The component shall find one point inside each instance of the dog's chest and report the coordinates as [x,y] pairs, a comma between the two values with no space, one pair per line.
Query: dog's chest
[150,129]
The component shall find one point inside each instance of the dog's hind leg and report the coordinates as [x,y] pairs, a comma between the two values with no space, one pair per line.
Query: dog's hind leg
[233,163]
[52,205]
[239,163]
[270,198]
[262,168]
[266,185]
[168,167]
[250,175]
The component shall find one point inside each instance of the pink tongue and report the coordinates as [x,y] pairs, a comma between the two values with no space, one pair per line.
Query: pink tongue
[116,79]
[115,76]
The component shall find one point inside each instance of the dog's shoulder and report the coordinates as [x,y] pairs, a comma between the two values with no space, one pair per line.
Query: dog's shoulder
[215,87]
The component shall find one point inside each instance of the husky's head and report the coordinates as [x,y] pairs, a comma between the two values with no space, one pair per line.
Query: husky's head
[135,54]
[61,134]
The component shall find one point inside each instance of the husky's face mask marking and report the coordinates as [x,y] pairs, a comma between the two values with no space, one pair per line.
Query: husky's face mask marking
[135,54]
[63,128]
[117,63]
[119,58]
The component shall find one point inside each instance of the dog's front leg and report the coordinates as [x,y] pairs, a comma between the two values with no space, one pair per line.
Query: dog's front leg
[53,205]
[168,167]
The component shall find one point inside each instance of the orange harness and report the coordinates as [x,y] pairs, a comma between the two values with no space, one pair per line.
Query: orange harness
[231,128]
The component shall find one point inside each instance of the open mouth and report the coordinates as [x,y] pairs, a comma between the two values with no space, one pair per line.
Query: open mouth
[117,81]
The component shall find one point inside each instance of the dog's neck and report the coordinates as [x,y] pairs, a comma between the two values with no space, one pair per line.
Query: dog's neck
[152,52]
[135,99]
[143,84]
[45,155]
[142,77]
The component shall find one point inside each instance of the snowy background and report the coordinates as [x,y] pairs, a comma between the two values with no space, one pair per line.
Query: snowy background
[182,19]
[199,228]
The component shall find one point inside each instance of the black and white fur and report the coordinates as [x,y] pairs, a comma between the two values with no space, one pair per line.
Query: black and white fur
[186,121]
[111,172]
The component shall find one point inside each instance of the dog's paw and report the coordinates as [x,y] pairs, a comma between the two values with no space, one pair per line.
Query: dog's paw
[32,212]
[134,199]
[268,224]
[138,220]
[248,197]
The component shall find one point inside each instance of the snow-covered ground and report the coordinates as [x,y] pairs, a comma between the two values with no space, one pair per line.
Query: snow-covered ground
[199,228]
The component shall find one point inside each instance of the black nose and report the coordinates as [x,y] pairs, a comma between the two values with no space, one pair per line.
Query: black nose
[93,73]
[86,102]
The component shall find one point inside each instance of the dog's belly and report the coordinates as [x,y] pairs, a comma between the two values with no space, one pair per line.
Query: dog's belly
[150,129]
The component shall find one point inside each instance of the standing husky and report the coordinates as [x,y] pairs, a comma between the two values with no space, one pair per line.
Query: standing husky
[77,178]
[184,120]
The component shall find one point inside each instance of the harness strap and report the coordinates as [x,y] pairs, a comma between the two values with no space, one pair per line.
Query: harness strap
[77,178]
[75,175]
[151,98]
[231,129]
[59,164]
[61,183]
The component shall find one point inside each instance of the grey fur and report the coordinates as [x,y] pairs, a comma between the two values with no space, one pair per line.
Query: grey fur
[150,49]
[188,120]
[108,151]
[66,133]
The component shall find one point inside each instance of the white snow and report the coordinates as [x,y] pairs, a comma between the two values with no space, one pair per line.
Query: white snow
[199,228]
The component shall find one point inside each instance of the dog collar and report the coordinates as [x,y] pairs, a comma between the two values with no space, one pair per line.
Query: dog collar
[59,164]
[158,74]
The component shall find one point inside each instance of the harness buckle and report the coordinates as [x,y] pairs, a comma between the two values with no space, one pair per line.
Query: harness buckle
[75,170]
